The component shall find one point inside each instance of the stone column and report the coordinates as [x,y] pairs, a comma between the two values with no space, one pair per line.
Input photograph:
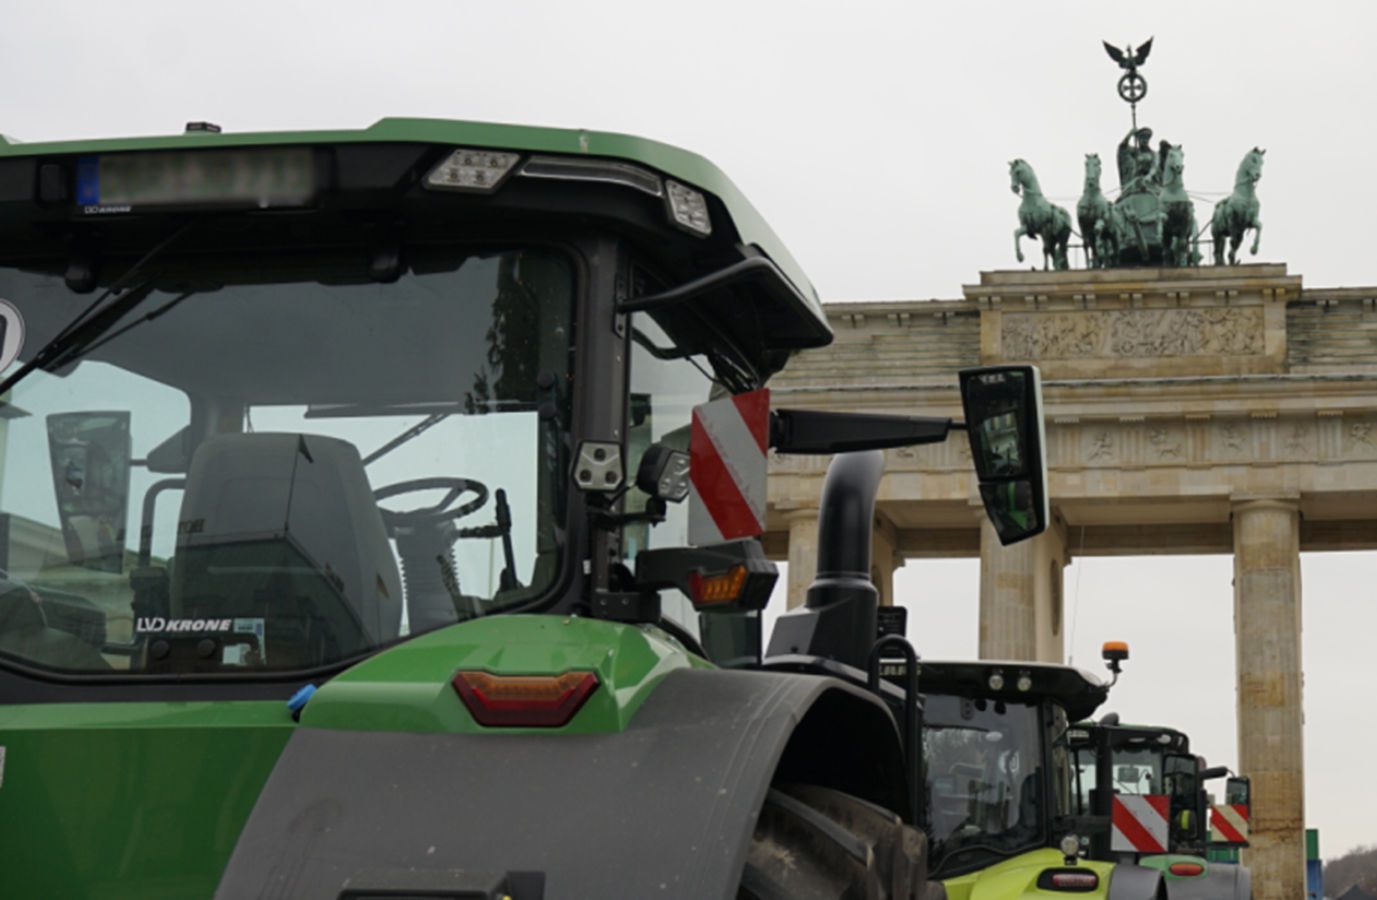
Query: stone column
[884,559]
[1021,596]
[803,552]
[1267,630]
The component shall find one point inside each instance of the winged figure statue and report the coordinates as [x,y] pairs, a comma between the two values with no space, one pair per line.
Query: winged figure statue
[1127,58]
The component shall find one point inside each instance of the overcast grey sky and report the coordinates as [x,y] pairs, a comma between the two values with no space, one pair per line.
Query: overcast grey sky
[875,137]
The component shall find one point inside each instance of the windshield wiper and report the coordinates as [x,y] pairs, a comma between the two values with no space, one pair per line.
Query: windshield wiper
[80,348]
[77,335]
[405,436]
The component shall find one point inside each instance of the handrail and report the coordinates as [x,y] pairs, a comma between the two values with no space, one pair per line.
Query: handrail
[911,737]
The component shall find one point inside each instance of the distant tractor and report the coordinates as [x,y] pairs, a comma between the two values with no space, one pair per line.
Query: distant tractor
[1152,789]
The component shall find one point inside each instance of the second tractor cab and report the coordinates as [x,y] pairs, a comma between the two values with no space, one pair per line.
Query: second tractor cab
[997,769]
[1152,789]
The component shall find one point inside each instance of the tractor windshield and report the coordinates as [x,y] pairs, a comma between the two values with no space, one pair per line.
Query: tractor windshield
[1137,771]
[985,780]
[277,462]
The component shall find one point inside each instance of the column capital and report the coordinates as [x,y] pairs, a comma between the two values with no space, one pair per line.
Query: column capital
[801,514]
[1248,501]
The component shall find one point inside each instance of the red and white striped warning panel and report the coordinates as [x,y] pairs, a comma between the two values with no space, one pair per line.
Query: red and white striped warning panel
[1140,823]
[1229,824]
[727,468]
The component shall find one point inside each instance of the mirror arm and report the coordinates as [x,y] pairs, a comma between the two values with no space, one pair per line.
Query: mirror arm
[813,431]
[753,267]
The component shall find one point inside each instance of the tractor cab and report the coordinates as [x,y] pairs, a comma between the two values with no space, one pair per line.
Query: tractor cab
[1154,792]
[996,764]
[272,403]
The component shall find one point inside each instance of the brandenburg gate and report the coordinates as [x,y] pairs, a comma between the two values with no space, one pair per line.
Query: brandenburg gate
[1220,409]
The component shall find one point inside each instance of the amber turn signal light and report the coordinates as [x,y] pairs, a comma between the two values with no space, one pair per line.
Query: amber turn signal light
[524,701]
[709,589]
[1186,870]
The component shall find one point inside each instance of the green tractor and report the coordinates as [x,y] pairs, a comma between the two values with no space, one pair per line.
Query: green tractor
[340,546]
[1153,789]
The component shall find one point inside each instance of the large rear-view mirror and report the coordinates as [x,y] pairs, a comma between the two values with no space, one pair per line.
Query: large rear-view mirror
[1004,422]
[1238,792]
[1229,820]
[90,453]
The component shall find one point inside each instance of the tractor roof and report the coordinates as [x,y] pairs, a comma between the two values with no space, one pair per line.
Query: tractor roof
[768,310]
[672,161]
[1142,736]
[1080,692]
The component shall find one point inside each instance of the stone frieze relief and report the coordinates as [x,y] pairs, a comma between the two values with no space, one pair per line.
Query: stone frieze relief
[1127,333]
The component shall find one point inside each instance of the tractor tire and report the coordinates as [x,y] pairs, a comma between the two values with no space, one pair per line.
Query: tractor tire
[814,843]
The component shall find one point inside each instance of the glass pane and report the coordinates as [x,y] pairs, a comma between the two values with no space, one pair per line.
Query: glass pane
[997,404]
[664,391]
[278,463]
[984,776]
[1137,772]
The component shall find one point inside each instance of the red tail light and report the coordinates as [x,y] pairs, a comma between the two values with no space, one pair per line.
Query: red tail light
[1075,881]
[524,701]
[1186,870]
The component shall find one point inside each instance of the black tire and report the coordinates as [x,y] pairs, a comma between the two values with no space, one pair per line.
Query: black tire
[814,843]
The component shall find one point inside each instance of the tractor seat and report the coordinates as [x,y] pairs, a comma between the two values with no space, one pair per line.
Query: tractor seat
[280,535]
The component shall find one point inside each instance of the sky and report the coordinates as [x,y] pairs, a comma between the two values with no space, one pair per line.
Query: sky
[876,138]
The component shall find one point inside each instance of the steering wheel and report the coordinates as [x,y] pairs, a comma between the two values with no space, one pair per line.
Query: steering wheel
[430,515]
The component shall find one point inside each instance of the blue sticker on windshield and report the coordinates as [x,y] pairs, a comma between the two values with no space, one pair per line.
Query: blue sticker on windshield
[11,334]
[88,180]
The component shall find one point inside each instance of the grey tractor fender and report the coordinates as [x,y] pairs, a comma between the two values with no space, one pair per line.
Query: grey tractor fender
[1130,881]
[1222,881]
[663,809]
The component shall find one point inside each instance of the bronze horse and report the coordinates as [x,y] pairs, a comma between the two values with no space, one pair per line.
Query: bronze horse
[1039,218]
[1098,218]
[1234,216]
[1180,246]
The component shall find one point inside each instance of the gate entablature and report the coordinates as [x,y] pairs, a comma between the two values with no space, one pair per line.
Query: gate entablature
[1138,322]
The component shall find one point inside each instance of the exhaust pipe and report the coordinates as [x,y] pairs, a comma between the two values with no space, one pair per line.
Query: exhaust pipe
[838,618]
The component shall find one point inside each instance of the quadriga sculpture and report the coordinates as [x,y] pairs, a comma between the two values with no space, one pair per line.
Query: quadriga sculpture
[1039,218]
[1234,216]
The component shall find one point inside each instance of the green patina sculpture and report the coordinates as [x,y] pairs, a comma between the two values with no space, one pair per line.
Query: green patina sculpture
[1139,207]
[1152,221]
[1132,86]
[1138,164]
[1039,218]
[1100,220]
[1238,213]
[1180,245]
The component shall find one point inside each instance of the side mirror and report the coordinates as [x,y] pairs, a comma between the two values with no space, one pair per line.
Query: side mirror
[1229,821]
[1004,422]
[90,454]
